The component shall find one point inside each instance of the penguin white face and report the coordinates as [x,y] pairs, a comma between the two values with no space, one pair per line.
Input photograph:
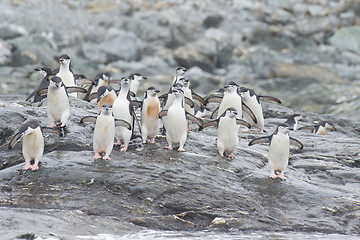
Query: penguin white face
[180,71]
[178,92]
[151,91]
[64,59]
[55,82]
[231,87]
[106,109]
[138,77]
[106,77]
[177,86]
[125,81]
[231,112]
[283,129]
[184,81]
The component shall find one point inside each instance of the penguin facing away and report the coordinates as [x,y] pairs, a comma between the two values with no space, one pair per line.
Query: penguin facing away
[227,131]
[33,142]
[278,150]
[150,109]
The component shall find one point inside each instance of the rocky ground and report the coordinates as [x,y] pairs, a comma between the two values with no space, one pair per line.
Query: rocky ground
[302,52]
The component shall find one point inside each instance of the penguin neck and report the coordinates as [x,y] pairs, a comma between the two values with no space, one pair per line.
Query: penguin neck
[64,67]
[178,101]
[124,91]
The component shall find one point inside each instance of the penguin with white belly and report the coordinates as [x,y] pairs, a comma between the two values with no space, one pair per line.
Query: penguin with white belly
[150,108]
[279,149]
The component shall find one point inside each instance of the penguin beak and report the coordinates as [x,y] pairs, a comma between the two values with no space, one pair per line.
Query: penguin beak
[157,91]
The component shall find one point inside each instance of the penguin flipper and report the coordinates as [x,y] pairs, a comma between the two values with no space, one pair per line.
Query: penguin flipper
[198,97]
[243,122]
[135,118]
[163,113]
[309,127]
[189,102]
[30,95]
[213,123]
[259,140]
[216,99]
[84,81]
[215,112]
[136,103]
[92,96]
[122,123]
[132,94]
[15,139]
[42,92]
[248,111]
[270,98]
[56,131]
[76,89]
[194,119]
[91,119]
[296,143]
[116,81]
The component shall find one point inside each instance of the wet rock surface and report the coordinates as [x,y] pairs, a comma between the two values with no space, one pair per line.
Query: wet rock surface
[302,52]
[153,188]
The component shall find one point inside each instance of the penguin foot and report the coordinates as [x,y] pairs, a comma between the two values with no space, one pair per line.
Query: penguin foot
[124,148]
[282,176]
[106,157]
[118,142]
[231,155]
[97,156]
[152,140]
[34,167]
[52,124]
[180,149]
[144,141]
[273,175]
[27,166]
[169,147]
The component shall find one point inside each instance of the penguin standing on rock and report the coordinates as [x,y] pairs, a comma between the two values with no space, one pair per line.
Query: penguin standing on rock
[58,106]
[320,127]
[104,132]
[180,72]
[136,79]
[102,79]
[279,149]
[227,131]
[177,127]
[150,109]
[293,121]
[33,142]
[123,110]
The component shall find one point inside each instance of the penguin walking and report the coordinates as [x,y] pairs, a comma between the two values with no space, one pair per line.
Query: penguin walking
[123,110]
[227,131]
[33,142]
[150,109]
[65,72]
[177,127]
[252,100]
[104,132]
[279,149]
[46,72]
[58,106]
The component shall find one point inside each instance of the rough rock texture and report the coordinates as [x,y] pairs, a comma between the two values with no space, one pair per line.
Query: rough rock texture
[197,190]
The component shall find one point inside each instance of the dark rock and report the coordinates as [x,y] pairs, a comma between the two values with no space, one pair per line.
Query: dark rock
[212,21]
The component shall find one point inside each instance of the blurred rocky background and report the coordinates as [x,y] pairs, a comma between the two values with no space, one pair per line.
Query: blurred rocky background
[305,52]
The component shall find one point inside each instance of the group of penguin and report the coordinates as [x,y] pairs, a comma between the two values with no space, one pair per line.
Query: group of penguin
[175,109]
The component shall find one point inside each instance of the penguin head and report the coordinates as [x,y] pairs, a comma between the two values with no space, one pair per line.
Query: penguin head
[151,91]
[231,112]
[44,71]
[29,126]
[231,87]
[177,86]
[283,128]
[180,71]
[102,92]
[327,125]
[106,109]
[184,81]
[178,92]
[56,82]
[105,76]
[137,77]
[125,81]
[64,59]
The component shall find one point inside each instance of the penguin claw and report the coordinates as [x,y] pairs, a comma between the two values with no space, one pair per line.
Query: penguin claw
[34,167]
[26,167]
[124,148]
[168,147]
[181,149]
